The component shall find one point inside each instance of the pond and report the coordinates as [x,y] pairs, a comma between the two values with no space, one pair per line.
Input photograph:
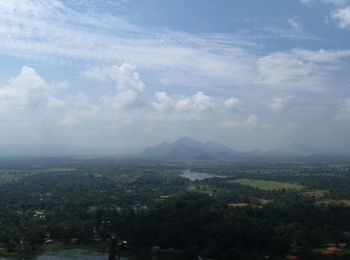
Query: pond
[197,176]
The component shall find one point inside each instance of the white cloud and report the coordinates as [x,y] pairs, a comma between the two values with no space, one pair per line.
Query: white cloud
[50,31]
[278,103]
[320,56]
[129,112]
[128,82]
[189,107]
[342,16]
[165,102]
[55,102]
[231,103]
[125,76]
[197,103]
[27,89]
[127,99]
[333,2]
[81,100]
[252,120]
[300,69]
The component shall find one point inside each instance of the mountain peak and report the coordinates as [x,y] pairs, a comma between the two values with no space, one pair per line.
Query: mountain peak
[186,148]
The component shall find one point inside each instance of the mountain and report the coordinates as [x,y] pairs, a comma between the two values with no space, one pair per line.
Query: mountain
[186,148]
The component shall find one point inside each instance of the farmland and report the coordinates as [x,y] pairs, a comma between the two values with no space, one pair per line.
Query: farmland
[268,185]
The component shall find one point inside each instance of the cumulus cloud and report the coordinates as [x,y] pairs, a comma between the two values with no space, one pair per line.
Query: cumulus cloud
[27,89]
[164,102]
[278,103]
[342,16]
[127,80]
[182,107]
[80,111]
[127,99]
[129,111]
[199,102]
[231,103]
[125,76]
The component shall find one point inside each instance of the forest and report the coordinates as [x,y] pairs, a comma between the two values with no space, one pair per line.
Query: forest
[297,208]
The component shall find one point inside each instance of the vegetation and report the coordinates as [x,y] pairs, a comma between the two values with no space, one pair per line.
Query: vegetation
[253,209]
[268,185]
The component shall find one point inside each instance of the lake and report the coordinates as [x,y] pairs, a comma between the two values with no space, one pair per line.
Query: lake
[197,176]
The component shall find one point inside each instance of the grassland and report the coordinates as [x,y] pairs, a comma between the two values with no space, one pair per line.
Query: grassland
[268,185]
[204,188]
[241,205]
[316,193]
[330,202]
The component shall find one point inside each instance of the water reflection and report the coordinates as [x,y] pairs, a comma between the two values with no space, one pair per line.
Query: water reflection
[197,176]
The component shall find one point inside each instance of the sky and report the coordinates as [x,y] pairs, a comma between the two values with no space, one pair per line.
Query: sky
[124,74]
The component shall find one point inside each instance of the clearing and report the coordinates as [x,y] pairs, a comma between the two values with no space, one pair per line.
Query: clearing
[268,185]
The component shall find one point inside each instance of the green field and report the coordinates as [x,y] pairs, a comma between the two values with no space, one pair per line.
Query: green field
[330,202]
[267,185]
[241,205]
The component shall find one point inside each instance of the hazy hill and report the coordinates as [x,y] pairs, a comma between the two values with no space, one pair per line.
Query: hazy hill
[186,148]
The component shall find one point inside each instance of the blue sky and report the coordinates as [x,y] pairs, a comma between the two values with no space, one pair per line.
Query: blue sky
[128,74]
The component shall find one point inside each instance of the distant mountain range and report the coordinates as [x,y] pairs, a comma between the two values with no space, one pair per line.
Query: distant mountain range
[184,148]
[187,148]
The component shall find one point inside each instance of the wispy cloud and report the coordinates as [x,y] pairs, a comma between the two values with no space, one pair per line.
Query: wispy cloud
[293,21]
[300,69]
[42,29]
[332,2]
